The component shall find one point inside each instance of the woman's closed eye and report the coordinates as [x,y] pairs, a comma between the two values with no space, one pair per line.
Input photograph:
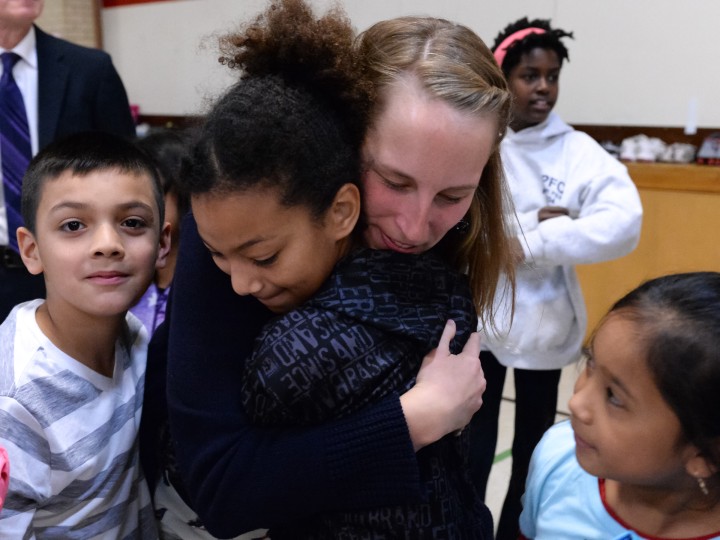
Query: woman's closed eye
[392,184]
[448,199]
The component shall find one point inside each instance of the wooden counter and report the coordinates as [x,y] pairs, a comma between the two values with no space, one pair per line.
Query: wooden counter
[680,233]
[671,177]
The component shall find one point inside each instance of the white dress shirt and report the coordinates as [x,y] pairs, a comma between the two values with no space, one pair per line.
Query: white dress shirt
[26,77]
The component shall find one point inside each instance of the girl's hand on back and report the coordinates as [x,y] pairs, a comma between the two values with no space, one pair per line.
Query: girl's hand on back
[447,392]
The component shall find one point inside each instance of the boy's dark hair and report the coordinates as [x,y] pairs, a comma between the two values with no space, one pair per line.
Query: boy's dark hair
[296,119]
[82,154]
[168,148]
[549,40]
[679,321]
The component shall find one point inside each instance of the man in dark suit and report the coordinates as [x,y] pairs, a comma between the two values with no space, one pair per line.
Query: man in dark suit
[66,88]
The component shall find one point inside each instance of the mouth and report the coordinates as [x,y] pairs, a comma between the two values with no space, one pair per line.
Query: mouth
[580,443]
[108,277]
[400,247]
[541,105]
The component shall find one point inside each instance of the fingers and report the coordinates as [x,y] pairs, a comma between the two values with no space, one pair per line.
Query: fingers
[448,334]
[472,346]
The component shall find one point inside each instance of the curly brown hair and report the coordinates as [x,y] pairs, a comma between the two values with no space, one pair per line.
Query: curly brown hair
[289,41]
[295,120]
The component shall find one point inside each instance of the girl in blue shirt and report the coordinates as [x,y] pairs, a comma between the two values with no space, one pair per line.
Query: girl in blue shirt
[640,457]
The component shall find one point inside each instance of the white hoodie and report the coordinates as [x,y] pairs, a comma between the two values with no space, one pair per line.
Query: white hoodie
[551,164]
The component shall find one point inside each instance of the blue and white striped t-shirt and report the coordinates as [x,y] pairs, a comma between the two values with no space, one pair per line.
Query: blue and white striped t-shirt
[72,437]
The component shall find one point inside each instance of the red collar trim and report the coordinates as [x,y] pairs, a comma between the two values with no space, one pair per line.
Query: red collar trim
[601,486]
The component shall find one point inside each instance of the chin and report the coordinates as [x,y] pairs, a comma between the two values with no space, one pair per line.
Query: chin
[589,466]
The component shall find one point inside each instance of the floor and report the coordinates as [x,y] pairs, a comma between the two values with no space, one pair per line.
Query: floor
[500,474]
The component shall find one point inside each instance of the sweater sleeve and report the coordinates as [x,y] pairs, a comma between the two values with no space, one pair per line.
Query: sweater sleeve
[242,477]
[606,212]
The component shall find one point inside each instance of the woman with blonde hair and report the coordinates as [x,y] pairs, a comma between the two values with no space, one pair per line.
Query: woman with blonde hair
[431,181]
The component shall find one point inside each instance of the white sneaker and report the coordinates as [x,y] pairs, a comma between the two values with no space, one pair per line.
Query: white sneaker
[684,153]
[679,153]
[649,148]
[629,149]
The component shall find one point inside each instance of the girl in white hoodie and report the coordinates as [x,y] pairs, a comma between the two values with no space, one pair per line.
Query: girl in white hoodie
[575,204]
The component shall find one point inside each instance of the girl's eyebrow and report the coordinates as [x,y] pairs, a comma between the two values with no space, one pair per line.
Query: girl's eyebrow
[243,246]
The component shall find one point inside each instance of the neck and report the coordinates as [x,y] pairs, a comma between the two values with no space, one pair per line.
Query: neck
[678,511]
[10,36]
[89,340]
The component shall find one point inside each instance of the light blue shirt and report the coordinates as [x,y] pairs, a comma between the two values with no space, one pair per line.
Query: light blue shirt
[562,501]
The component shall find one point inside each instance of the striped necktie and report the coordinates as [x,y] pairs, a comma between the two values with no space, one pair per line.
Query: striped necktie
[15,149]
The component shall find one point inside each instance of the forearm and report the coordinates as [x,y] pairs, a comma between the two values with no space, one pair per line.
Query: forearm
[252,477]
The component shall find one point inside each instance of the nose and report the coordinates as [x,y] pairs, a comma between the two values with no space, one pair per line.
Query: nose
[244,280]
[542,84]
[579,404]
[414,223]
[107,242]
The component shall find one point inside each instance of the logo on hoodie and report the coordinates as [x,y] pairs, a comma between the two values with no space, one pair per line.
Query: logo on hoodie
[553,188]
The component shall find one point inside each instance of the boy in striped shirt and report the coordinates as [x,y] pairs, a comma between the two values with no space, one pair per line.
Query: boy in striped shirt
[72,366]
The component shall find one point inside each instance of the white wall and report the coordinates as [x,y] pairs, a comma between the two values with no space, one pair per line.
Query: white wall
[633,62]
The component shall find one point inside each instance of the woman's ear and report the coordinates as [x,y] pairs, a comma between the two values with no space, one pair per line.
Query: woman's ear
[28,247]
[345,211]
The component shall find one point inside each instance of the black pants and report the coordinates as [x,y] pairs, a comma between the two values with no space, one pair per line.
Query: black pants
[535,406]
[18,285]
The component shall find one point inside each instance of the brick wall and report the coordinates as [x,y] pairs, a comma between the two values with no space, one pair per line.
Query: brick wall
[75,20]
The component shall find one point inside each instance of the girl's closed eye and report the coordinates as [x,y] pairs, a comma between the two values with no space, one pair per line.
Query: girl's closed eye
[267,261]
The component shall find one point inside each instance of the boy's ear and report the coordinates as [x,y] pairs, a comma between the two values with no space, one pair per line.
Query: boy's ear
[164,246]
[29,250]
[345,211]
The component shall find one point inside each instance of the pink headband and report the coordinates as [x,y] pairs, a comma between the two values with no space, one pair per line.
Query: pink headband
[506,43]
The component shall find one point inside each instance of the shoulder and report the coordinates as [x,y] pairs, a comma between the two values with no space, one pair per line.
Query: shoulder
[562,501]
[136,337]
[48,45]
[556,448]
[400,273]
[20,340]
[552,466]
[392,283]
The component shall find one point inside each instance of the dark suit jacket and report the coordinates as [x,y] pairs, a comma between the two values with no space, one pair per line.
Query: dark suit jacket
[78,90]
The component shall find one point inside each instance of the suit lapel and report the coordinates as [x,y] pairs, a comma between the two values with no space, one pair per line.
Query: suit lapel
[52,82]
